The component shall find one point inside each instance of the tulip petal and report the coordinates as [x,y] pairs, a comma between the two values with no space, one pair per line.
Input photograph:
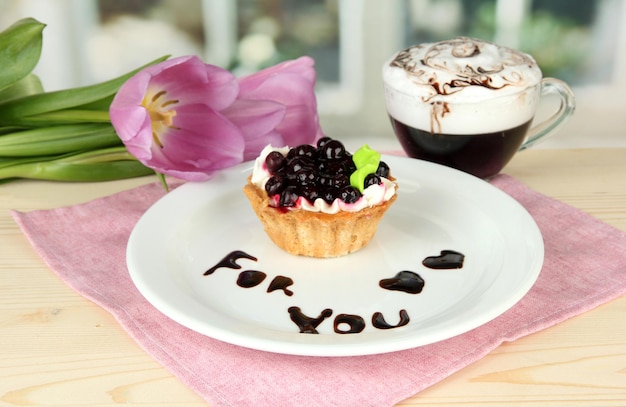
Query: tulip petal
[130,119]
[255,118]
[206,142]
[126,112]
[196,82]
[254,146]
[257,121]
[302,67]
[290,83]
[288,89]
[140,144]
[300,126]
[212,128]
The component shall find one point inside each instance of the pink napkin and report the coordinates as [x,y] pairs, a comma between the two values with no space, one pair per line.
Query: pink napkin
[84,245]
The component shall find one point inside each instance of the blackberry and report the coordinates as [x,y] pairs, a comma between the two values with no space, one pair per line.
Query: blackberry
[372,179]
[332,150]
[330,194]
[340,180]
[295,164]
[349,194]
[275,185]
[348,165]
[275,161]
[331,166]
[305,150]
[306,177]
[311,192]
[288,197]
[322,141]
[383,170]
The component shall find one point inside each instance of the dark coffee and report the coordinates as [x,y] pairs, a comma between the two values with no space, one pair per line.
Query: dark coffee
[482,155]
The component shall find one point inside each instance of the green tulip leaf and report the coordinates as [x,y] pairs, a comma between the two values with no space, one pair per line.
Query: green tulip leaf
[42,141]
[20,49]
[28,85]
[63,99]
[96,165]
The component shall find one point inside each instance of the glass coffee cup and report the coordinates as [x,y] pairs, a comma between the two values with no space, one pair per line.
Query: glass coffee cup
[469,104]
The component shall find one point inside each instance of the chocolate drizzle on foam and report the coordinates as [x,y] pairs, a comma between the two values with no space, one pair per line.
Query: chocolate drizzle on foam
[449,66]
[446,68]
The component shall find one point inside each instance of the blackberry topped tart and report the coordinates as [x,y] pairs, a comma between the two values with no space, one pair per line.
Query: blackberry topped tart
[320,200]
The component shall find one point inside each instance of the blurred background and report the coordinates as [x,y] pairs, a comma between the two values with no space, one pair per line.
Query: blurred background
[580,41]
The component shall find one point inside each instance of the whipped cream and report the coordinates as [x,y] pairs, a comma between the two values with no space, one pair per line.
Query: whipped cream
[436,86]
[372,195]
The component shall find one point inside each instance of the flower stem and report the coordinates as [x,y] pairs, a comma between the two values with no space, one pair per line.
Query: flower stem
[58,140]
[100,165]
[63,117]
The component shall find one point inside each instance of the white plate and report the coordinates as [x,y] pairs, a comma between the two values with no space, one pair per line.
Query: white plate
[193,227]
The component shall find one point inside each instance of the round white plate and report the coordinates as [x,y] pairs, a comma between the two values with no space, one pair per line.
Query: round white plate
[195,226]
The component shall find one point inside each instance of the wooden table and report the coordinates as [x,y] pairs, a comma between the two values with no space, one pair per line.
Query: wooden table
[57,348]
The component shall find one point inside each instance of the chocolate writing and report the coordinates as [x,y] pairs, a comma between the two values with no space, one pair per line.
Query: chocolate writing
[281,283]
[308,324]
[405,281]
[355,324]
[447,259]
[342,323]
[250,278]
[230,261]
[378,320]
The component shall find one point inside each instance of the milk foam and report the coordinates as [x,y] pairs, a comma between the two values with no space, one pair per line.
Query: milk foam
[461,86]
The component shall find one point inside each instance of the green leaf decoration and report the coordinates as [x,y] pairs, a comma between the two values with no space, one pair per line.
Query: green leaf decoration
[366,161]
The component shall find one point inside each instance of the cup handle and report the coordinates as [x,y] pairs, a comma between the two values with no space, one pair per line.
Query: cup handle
[558,118]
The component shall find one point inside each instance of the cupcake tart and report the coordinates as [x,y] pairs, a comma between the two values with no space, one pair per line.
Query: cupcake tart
[320,201]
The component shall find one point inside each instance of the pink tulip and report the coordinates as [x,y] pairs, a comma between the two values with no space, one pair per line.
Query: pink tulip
[187,119]
[289,84]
